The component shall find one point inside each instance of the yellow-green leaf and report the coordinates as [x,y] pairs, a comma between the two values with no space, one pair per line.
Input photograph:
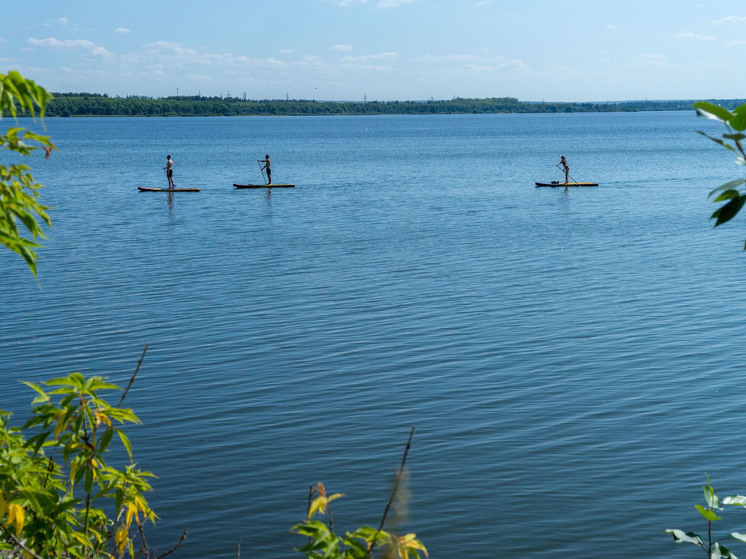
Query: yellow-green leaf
[17,516]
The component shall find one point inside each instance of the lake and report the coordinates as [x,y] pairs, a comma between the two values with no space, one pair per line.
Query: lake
[572,361]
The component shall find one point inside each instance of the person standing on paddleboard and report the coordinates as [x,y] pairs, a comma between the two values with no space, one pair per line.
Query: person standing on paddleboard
[170,171]
[266,166]
[565,167]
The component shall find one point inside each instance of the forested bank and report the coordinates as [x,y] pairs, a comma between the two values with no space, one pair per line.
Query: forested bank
[90,104]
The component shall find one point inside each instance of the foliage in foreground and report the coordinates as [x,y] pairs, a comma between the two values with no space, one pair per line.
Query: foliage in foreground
[324,543]
[713,504]
[19,192]
[732,139]
[58,495]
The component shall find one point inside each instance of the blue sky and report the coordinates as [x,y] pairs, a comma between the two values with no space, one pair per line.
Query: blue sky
[382,49]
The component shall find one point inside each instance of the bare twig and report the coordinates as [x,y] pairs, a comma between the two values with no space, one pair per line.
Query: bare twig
[174,548]
[371,543]
[133,376]
[145,547]
[308,509]
[20,544]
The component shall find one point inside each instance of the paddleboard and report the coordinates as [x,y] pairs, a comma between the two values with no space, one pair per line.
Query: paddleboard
[556,184]
[146,189]
[264,185]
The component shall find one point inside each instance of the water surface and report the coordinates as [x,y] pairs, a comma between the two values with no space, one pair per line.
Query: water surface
[572,361]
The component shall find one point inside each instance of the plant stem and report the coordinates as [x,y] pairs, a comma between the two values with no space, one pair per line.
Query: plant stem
[393,492]
[170,551]
[132,379]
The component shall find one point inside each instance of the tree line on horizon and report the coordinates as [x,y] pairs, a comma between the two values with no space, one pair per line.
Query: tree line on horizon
[95,104]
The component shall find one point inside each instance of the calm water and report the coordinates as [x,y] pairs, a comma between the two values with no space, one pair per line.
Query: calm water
[573,362]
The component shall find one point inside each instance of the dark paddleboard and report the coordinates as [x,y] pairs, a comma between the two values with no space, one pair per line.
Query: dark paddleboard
[562,184]
[146,189]
[264,185]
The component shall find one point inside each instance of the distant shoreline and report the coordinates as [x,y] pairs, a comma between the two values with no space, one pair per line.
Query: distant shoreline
[94,104]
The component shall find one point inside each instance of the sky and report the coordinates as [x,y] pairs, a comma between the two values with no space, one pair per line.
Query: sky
[354,50]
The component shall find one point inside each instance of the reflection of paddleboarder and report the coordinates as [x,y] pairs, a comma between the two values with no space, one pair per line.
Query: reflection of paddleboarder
[170,171]
[565,167]
[266,166]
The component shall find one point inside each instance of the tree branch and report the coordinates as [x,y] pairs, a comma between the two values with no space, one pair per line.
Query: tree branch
[133,376]
[170,551]
[371,544]
[20,544]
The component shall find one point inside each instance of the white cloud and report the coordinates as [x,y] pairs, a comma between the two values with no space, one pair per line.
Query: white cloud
[371,57]
[730,19]
[610,26]
[379,3]
[487,68]
[694,37]
[101,52]
[71,44]
[393,3]
[53,43]
[164,55]
[58,21]
[341,48]
[737,43]
[122,30]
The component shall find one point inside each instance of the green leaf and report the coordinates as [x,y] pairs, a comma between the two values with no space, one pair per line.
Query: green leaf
[739,500]
[720,551]
[707,513]
[125,442]
[729,210]
[712,112]
[105,440]
[717,140]
[728,186]
[738,122]
[43,397]
[680,536]
[727,195]
[710,498]
[88,484]
[738,536]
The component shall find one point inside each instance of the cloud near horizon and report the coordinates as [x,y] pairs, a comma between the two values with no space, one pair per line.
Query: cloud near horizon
[68,44]
[378,4]
[729,19]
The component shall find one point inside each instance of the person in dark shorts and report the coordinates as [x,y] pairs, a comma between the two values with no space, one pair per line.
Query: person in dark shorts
[170,171]
[266,167]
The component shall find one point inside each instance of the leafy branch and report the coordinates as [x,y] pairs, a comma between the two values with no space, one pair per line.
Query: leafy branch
[56,486]
[733,140]
[324,543]
[19,192]
[713,504]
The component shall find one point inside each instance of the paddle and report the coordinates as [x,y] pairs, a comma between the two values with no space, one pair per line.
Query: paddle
[261,169]
[569,176]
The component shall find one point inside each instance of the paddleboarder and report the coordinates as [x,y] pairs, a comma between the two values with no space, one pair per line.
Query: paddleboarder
[170,171]
[266,166]
[566,168]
